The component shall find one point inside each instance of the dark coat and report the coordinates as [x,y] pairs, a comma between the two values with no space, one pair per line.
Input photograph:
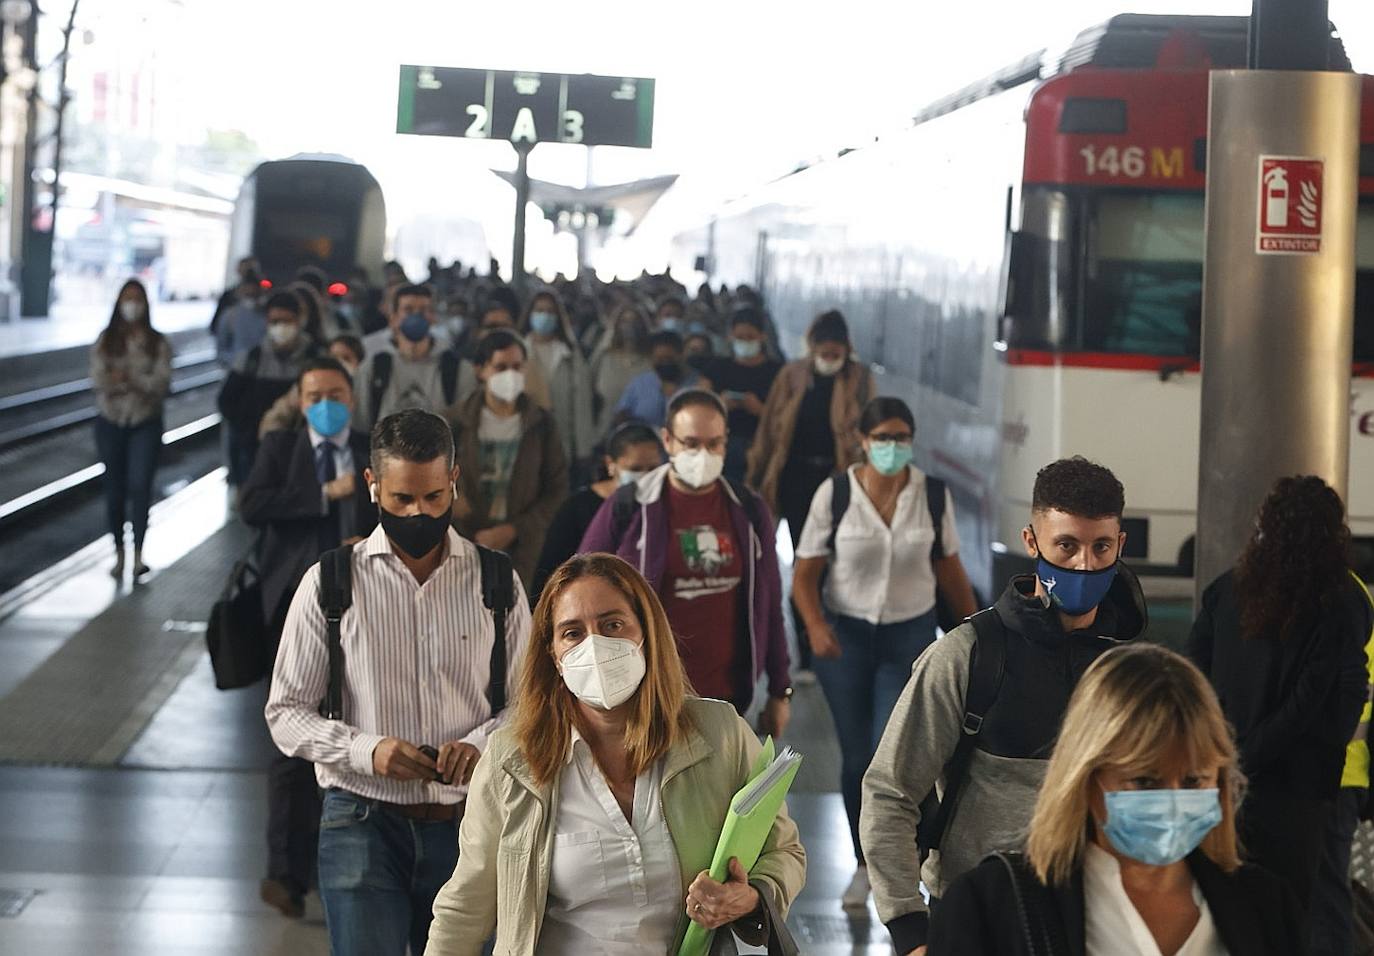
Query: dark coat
[1294,703]
[282,496]
[1255,914]
[538,484]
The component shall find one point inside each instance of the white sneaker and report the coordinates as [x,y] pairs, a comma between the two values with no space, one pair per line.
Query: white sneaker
[856,897]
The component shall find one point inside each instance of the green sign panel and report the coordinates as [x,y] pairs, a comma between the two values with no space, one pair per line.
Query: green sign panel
[526,107]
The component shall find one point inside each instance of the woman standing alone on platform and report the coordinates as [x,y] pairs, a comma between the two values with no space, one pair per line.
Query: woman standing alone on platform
[131,368]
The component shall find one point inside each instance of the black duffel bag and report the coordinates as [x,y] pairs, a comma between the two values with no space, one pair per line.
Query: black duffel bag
[236,632]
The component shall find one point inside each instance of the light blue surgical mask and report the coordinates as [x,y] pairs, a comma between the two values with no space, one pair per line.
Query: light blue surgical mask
[746,348]
[627,477]
[889,457]
[670,324]
[328,417]
[544,323]
[1160,827]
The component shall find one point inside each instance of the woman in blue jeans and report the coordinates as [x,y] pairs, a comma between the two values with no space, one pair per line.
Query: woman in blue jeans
[131,369]
[875,612]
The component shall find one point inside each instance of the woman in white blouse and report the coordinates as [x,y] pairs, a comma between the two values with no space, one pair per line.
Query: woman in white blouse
[593,816]
[885,561]
[131,371]
[1132,847]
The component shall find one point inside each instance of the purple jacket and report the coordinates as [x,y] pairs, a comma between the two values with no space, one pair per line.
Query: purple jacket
[645,545]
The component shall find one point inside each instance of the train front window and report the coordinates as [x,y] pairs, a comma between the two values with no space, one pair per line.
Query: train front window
[1142,288]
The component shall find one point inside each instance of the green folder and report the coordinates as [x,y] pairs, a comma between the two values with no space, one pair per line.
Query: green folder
[747,825]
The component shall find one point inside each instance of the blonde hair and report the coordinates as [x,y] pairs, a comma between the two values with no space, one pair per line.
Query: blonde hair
[1135,706]
[545,711]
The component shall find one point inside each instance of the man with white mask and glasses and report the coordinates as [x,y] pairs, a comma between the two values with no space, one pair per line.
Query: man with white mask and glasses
[513,469]
[706,545]
[428,632]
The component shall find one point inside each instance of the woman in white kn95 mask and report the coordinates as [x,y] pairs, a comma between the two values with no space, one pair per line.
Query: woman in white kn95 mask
[639,774]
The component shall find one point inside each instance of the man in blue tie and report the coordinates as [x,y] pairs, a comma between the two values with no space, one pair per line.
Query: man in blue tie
[307,495]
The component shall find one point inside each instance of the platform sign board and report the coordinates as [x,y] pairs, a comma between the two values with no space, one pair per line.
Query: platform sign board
[1290,206]
[526,107]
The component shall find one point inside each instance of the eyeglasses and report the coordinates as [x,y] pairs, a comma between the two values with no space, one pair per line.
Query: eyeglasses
[901,439]
[714,445]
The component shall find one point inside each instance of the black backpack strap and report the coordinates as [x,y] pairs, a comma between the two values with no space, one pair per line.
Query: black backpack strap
[935,502]
[448,374]
[335,597]
[498,596]
[381,378]
[839,504]
[986,669]
[748,500]
[623,505]
[253,361]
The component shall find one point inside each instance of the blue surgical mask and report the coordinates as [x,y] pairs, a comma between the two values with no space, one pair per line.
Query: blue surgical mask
[889,457]
[1160,827]
[746,349]
[328,417]
[670,324]
[415,327]
[627,477]
[544,323]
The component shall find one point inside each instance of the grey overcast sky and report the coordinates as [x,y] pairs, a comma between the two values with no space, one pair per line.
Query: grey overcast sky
[745,87]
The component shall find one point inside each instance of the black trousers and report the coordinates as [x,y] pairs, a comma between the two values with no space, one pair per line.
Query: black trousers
[293,823]
[1286,835]
[796,488]
[1332,906]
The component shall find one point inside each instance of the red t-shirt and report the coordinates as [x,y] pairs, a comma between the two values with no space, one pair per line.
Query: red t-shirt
[701,589]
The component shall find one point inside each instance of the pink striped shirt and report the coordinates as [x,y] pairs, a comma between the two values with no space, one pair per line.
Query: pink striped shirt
[417,659]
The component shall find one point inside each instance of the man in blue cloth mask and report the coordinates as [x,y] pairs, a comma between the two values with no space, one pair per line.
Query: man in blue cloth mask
[413,367]
[307,494]
[982,709]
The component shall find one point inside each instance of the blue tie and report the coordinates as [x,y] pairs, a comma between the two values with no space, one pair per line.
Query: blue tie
[325,469]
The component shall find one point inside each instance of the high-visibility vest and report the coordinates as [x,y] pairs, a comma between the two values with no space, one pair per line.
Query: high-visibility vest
[1356,772]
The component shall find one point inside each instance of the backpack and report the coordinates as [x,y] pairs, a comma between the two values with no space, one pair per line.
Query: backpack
[1042,926]
[624,504]
[384,362]
[987,667]
[336,597]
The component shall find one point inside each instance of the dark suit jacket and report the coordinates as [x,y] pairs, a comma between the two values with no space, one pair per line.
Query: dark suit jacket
[1254,913]
[282,497]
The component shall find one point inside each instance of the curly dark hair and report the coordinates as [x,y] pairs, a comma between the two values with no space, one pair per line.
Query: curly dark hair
[1294,566]
[1079,487]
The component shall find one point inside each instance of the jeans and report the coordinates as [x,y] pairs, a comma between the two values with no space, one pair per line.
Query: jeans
[129,455]
[1331,911]
[379,874]
[862,686]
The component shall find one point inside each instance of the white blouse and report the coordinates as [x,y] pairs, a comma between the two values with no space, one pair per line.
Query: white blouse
[1115,928]
[614,886]
[878,574]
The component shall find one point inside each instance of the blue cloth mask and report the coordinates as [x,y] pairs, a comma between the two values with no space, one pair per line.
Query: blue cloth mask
[415,326]
[889,457]
[1074,592]
[544,323]
[746,349]
[1160,827]
[328,417]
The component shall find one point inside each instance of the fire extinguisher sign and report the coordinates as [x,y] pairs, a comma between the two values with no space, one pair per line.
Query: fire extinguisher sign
[1290,206]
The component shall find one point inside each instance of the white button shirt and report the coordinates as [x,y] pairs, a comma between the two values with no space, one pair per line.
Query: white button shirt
[417,658]
[1115,928]
[878,574]
[615,888]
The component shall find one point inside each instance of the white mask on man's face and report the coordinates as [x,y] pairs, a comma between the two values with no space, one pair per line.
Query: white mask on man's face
[698,467]
[282,334]
[507,386]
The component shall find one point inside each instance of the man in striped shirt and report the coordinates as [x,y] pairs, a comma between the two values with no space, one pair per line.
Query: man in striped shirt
[417,647]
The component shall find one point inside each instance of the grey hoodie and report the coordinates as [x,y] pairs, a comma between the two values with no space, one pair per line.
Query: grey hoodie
[1043,665]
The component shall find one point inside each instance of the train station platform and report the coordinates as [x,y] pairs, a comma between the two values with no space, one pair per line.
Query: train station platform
[135,793]
[77,324]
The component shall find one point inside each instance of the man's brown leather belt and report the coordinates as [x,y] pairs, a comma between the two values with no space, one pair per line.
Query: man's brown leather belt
[427,812]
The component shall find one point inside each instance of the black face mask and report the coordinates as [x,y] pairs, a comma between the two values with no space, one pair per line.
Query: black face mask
[416,535]
[670,372]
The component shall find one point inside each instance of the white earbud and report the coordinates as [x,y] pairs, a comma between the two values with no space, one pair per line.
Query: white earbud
[372,492]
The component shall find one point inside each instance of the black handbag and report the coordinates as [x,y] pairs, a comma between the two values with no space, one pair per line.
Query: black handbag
[236,633]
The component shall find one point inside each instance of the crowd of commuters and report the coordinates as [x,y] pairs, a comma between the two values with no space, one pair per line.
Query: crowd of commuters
[468,764]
